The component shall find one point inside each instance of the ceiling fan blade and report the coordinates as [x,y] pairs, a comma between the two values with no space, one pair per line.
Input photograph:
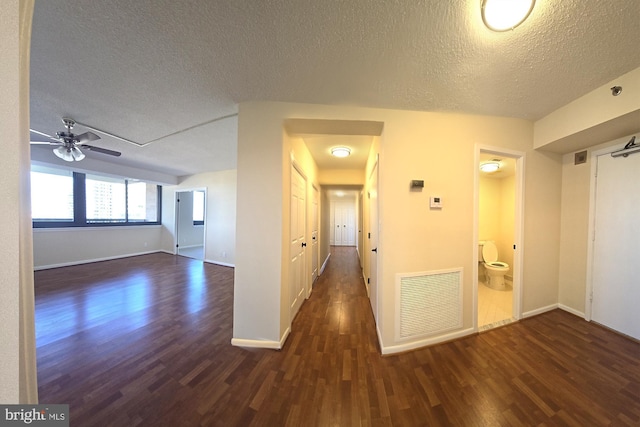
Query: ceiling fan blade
[52,138]
[101,150]
[45,142]
[87,136]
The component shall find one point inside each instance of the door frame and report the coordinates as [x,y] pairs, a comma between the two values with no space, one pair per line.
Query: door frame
[374,225]
[518,223]
[177,219]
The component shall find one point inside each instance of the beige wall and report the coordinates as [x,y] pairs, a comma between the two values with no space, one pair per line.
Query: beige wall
[436,147]
[340,177]
[18,382]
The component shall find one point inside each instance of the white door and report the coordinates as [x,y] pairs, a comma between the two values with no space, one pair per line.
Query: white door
[616,269]
[344,223]
[373,241]
[297,246]
[349,236]
[314,236]
[338,224]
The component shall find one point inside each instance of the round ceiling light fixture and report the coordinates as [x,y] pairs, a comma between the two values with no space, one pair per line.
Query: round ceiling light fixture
[504,15]
[340,151]
[490,166]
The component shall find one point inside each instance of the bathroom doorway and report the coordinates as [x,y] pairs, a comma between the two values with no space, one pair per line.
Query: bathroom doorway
[499,226]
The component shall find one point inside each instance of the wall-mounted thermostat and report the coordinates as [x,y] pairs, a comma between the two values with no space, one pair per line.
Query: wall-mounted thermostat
[435,202]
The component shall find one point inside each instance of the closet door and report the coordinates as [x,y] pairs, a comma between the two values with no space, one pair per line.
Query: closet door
[615,265]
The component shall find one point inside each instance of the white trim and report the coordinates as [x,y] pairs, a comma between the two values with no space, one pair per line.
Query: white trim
[238,342]
[324,264]
[89,261]
[427,341]
[224,264]
[539,311]
[571,310]
[274,345]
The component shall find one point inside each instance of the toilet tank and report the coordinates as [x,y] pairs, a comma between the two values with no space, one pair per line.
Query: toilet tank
[480,245]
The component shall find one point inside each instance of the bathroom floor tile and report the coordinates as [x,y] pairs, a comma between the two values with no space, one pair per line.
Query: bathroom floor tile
[494,306]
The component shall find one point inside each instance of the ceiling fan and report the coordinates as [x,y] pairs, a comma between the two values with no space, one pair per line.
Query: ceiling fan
[68,143]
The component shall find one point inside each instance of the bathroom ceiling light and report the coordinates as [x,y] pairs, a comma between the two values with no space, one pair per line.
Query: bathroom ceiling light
[340,151]
[503,15]
[490,166]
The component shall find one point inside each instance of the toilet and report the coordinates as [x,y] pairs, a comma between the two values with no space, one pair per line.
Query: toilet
[494,269]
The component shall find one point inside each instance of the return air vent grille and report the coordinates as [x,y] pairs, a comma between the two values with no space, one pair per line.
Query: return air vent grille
[428,303]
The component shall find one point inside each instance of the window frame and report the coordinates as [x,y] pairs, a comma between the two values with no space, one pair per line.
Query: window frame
[80,208]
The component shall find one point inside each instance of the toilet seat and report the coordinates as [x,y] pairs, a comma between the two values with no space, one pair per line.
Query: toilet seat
[498,264]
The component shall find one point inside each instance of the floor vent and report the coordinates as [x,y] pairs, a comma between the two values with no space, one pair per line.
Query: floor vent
[428,303]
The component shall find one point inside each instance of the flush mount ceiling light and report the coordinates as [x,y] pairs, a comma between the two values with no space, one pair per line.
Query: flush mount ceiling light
[490,166]
[340,151]
[503,15]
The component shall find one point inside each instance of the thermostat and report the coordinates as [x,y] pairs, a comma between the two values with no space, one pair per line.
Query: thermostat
[436,202]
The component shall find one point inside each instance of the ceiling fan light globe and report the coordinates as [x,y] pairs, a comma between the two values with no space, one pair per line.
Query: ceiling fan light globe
[63,153]
[77,154]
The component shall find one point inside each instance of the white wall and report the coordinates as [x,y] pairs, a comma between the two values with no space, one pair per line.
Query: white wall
[220,221]
[436,147]
[57,247]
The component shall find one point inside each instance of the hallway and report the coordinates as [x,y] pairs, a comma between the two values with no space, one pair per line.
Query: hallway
[175,366]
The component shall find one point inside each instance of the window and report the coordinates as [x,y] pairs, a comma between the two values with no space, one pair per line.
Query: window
[142,202]
[51,194]
[198,208]
[105,199]
[62,198]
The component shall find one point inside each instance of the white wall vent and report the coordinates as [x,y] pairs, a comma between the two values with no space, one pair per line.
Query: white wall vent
[428,303]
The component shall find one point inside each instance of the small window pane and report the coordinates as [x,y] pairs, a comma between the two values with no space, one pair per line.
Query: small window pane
[51,194]
[198,207]
[142,202]
[106,201]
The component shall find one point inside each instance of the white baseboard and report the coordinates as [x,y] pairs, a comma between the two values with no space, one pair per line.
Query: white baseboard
[224,264]
[89,261]
[324,264]
[539,311]
[274,345]
[425,342]
[571,310]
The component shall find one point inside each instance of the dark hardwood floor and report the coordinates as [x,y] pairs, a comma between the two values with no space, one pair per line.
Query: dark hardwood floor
[146,341]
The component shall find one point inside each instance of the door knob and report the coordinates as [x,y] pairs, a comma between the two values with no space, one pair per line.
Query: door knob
[304,245]
[374,250]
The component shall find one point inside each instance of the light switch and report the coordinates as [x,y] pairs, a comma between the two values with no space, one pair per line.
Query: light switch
[436,202]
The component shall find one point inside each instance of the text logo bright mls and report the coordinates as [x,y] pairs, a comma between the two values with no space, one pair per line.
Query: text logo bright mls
[34,415]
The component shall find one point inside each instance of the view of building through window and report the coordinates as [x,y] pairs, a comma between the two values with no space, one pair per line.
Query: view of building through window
[106,200]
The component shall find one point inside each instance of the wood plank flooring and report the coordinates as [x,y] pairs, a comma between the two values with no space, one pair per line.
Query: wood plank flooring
[146,341]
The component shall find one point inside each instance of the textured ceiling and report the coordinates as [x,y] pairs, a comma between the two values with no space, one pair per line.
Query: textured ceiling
[149,68]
